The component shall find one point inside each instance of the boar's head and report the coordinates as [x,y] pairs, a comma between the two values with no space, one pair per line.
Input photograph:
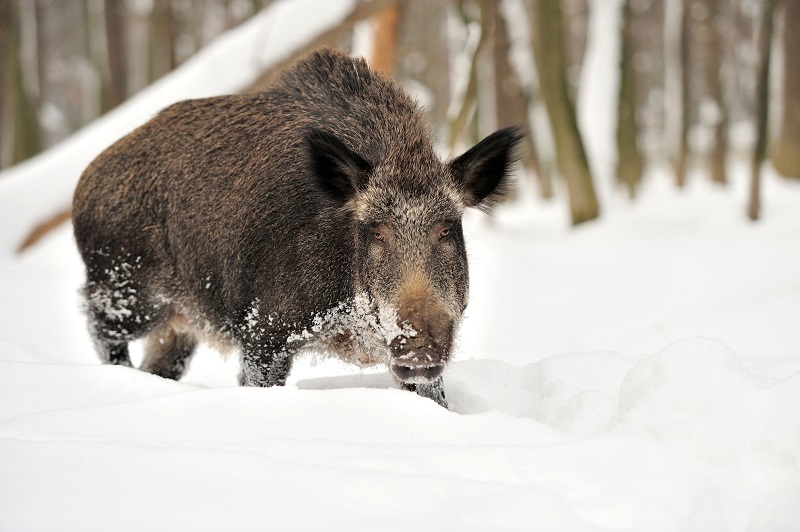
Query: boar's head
[410,257]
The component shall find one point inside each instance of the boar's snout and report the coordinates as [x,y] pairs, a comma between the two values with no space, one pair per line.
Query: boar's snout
[416,360]
[420,357]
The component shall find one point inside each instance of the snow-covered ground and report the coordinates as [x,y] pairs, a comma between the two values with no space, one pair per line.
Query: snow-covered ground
[640,372]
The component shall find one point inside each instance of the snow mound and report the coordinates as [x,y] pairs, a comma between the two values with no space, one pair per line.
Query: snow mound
[686,439]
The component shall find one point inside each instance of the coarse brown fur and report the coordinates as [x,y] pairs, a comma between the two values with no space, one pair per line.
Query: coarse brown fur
[315,213]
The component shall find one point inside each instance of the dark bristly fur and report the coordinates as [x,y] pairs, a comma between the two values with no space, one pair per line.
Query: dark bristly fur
[315,214]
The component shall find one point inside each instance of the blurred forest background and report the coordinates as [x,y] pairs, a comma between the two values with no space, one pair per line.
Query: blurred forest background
[701,82]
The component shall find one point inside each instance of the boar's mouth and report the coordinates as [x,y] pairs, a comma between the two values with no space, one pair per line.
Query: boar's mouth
[417,359]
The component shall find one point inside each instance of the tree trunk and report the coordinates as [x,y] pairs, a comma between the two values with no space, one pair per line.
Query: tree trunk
[94,52]
[459,125]
[5,15]
[40,86]
[712,71]
[424,55]
[575,14]
[629,157]
[117,49]
[786,153]
[762,107]
[650,64]
[161,40]
[681,166]
[198,18]
[384,51]
[549,44]
[25,138]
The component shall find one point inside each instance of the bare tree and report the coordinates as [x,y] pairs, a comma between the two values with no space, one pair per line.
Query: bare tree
[762,107]
[710,37]
[384,51]
[576,19]
[5,15]
[161,47]
[467,111]
[549,45]
[786,152]
[629,158]
[38,87]
[197,24]
[648,66]
[681,165]
[25,135]
[424,56]
[115,14]
[94,51]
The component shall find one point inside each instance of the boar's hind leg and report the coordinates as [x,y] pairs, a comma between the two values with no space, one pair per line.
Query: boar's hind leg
[260,369]
[168,351]
[110,338]
[117,317]
[433,390]
[117,305]
[113,352]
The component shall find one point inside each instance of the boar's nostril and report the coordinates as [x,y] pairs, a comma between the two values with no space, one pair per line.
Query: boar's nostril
[417,374]
[411,364]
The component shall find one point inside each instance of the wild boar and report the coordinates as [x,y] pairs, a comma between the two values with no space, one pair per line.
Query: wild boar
[315,214]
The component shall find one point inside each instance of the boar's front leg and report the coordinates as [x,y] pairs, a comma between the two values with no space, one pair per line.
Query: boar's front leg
[432,390]
[265,367]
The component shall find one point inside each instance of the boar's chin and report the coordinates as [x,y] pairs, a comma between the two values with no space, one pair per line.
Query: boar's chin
[416,360]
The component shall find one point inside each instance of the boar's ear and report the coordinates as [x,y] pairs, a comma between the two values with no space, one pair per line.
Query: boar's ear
[482,173]
[340,171]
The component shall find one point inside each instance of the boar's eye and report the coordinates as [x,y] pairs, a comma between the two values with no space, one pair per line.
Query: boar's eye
[441,232]
[381,233]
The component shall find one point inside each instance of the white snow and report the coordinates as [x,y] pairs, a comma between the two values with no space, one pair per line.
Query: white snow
[641,372]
